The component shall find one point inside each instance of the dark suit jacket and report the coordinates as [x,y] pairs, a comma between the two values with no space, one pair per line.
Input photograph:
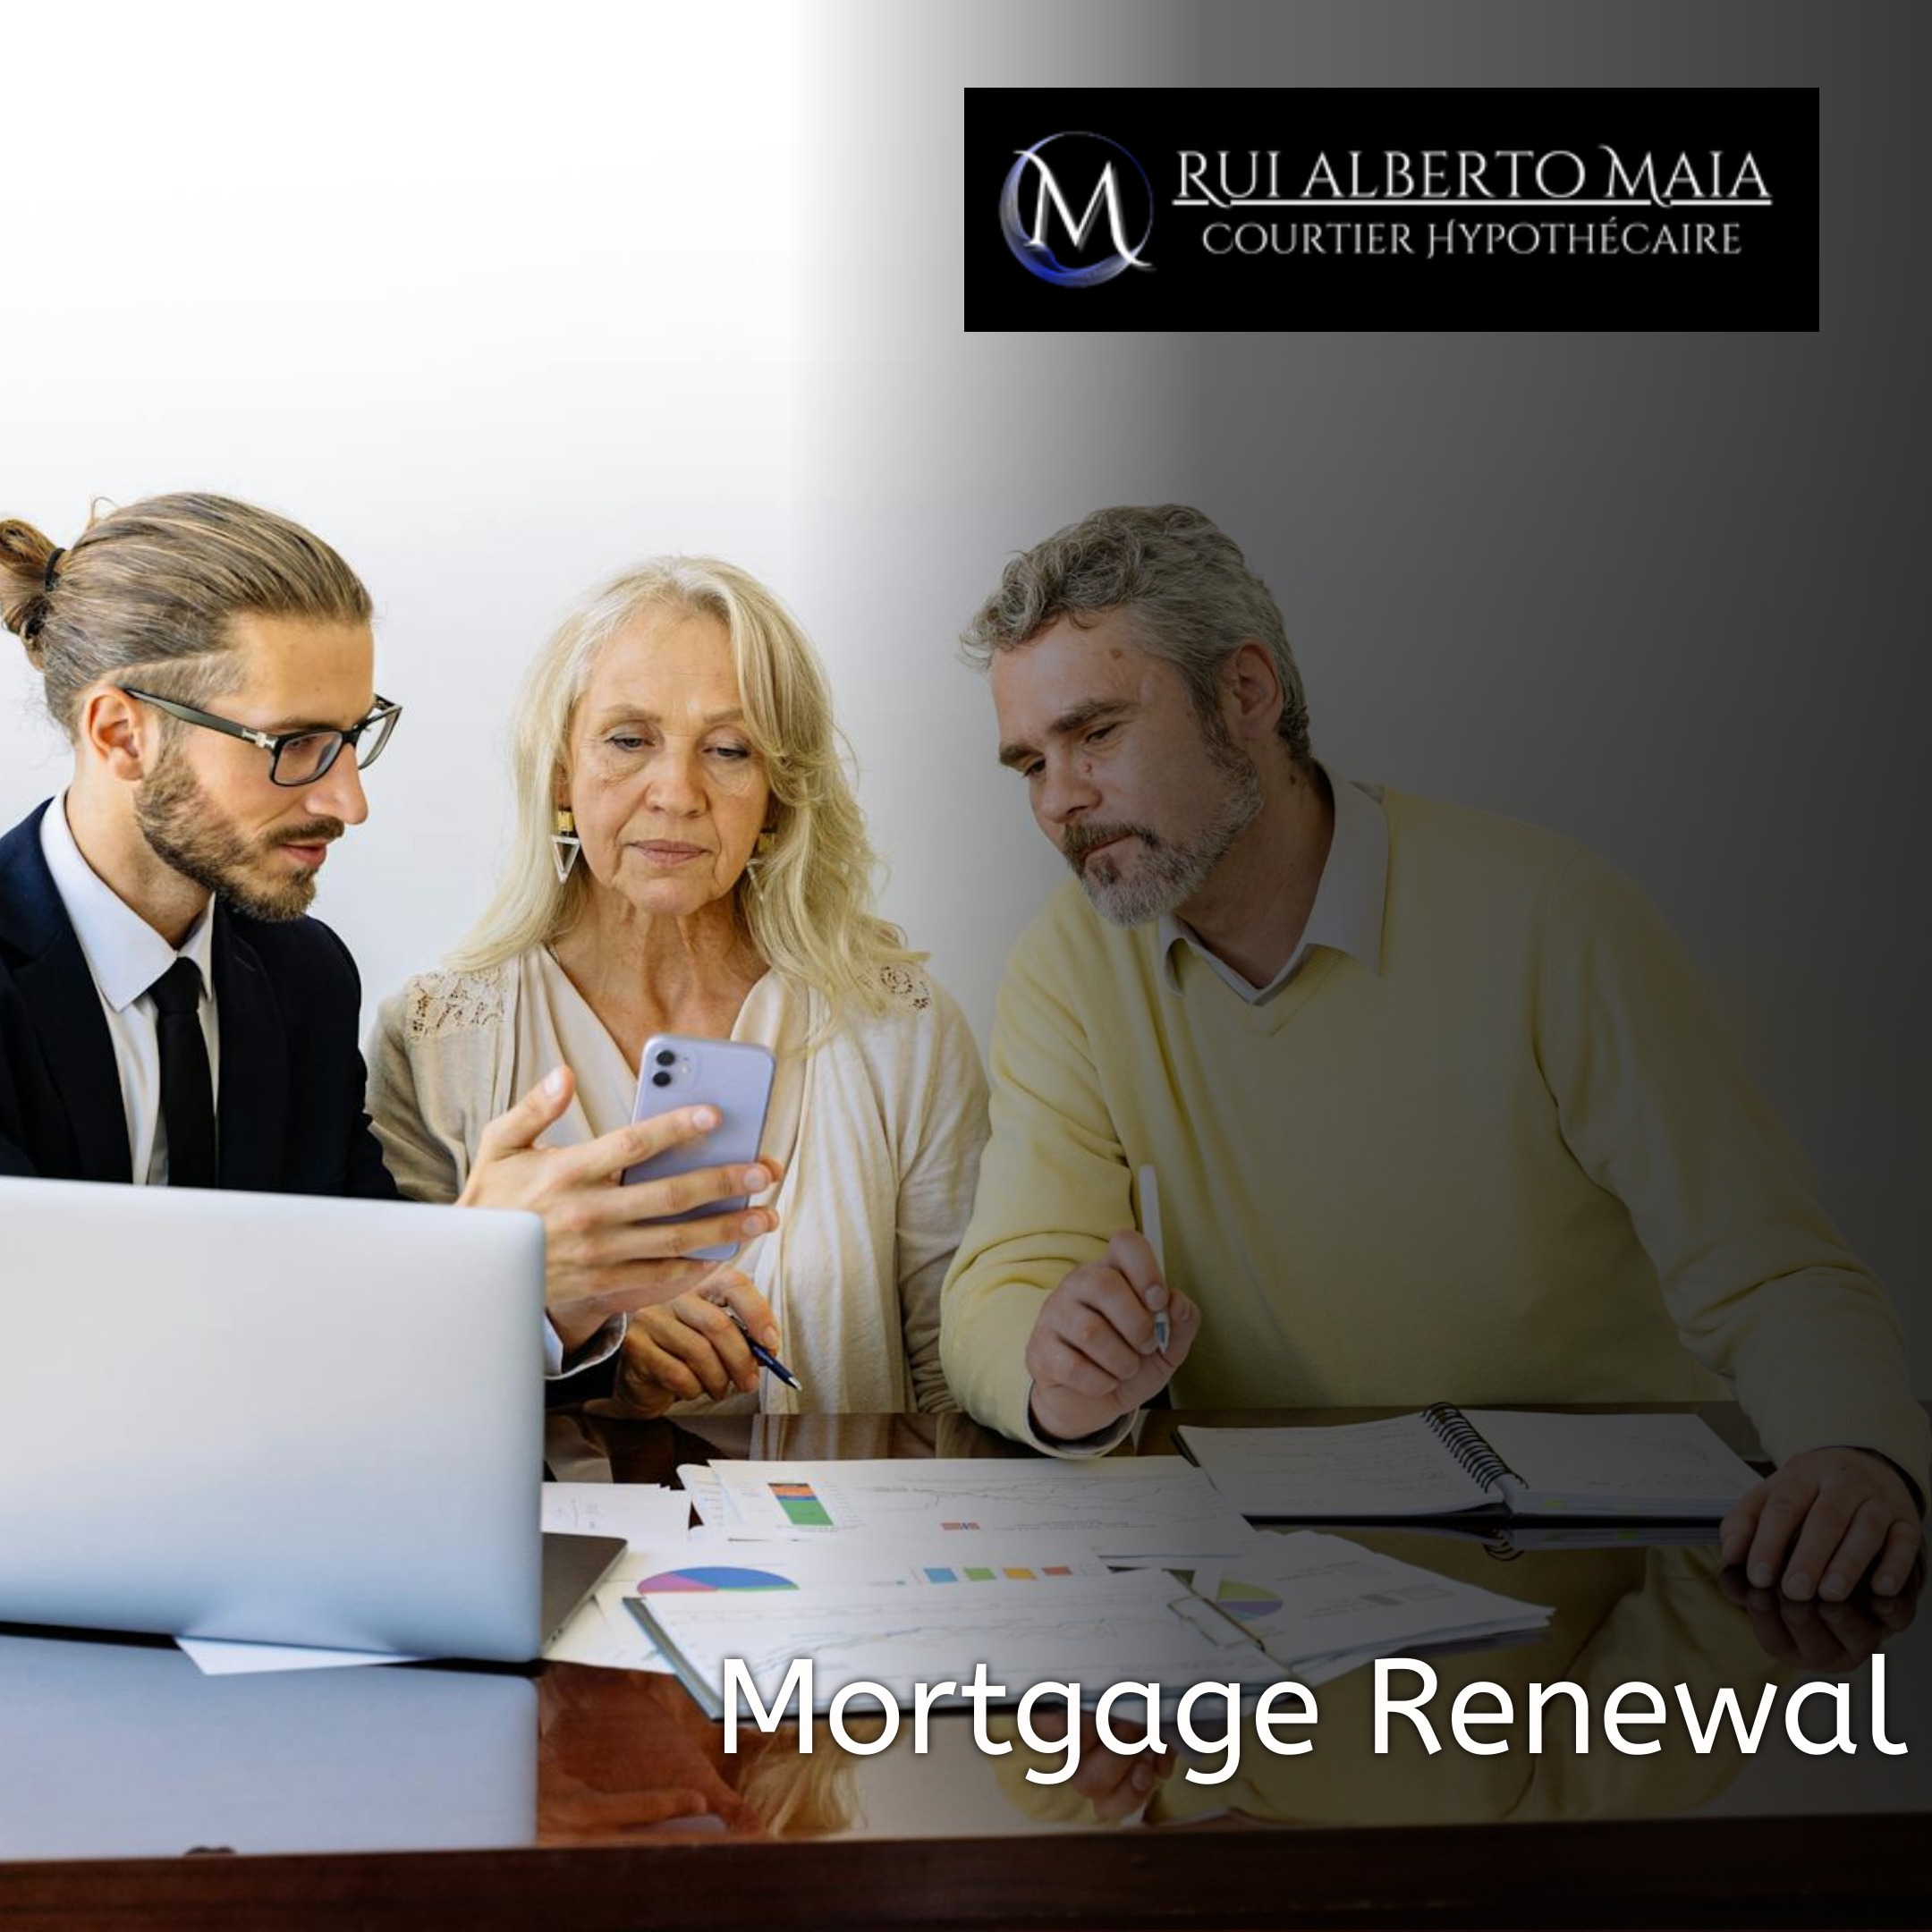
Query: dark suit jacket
[289,1119]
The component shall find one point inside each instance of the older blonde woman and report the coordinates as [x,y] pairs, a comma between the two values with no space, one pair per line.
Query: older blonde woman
[690,859]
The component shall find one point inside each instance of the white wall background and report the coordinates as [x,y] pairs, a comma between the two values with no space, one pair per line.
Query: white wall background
[499,300]
[449,287]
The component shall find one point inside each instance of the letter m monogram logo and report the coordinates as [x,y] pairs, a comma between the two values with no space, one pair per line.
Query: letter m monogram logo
[1119,194]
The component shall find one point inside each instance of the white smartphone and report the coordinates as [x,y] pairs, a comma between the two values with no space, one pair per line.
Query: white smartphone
[734,1076]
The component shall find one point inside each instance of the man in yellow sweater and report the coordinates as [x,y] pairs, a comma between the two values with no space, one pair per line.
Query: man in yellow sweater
[1438,1107]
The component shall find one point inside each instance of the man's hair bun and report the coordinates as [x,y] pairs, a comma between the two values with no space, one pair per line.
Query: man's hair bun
[28,580]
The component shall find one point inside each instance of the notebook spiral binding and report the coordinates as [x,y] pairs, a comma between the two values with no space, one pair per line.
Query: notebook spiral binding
[1467,1444]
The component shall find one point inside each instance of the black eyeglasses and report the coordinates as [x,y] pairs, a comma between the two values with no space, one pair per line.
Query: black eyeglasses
[297,758]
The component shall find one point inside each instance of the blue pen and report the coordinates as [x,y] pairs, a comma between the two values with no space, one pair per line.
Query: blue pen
[763,1356]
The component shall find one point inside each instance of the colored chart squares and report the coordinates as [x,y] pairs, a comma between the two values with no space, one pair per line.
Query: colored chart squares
[991,1573]
[799,1501]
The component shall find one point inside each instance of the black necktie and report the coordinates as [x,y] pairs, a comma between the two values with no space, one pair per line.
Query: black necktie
[187,1093]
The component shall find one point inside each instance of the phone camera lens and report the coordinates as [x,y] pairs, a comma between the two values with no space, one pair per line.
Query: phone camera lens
[660,1080]
[666,1058]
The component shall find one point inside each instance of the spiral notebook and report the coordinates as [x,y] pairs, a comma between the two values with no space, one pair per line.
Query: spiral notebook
[1447,1460]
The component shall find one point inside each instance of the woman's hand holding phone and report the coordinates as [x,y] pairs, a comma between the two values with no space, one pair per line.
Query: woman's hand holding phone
[693,1346]
[612,1249]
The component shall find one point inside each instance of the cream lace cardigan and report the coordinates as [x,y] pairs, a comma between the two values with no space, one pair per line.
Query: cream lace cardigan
[879,1123]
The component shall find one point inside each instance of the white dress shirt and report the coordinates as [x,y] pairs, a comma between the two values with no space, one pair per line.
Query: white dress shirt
[1350,898]
[126,955]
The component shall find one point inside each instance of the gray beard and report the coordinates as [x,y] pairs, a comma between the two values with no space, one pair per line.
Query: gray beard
[1170,872]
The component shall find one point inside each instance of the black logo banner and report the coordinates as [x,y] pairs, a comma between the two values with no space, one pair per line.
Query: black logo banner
[1403,208]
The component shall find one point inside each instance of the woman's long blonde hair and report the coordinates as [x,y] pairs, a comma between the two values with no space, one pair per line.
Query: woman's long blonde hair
[807,898]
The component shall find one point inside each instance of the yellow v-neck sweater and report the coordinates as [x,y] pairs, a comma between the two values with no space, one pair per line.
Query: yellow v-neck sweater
[1520,1164]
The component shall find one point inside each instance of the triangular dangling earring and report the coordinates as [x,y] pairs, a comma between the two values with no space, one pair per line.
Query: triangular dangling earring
[761,851]
[564,842]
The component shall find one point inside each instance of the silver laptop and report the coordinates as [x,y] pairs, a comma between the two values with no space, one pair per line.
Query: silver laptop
[277,1419]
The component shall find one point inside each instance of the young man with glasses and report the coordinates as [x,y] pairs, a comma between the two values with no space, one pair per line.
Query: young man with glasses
[167,1015]
[210,664]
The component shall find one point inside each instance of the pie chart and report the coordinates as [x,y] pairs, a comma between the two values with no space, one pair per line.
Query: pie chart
[713,1577]
[1246,1600]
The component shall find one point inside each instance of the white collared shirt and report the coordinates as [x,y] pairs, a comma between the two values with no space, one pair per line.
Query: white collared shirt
[1350,899]
[126,955]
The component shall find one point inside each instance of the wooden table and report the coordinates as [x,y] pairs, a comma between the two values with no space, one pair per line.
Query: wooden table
[588,1799]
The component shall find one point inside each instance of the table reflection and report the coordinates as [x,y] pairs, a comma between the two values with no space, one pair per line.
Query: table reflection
[114,1748]
[631,1756]
[626,1755]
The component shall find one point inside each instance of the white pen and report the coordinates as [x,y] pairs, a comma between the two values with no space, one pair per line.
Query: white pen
[1146,1190]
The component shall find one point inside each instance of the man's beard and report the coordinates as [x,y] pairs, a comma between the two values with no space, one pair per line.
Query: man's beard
[1170,871]
[186,831]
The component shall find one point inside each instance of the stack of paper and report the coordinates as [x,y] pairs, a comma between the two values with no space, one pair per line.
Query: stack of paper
[639,1512]
[1321,1605]
[666,1559]
[913,1572]
[1139,1626]
[1130,1509]
[900,1573]
[708,1561]
[706,1492]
